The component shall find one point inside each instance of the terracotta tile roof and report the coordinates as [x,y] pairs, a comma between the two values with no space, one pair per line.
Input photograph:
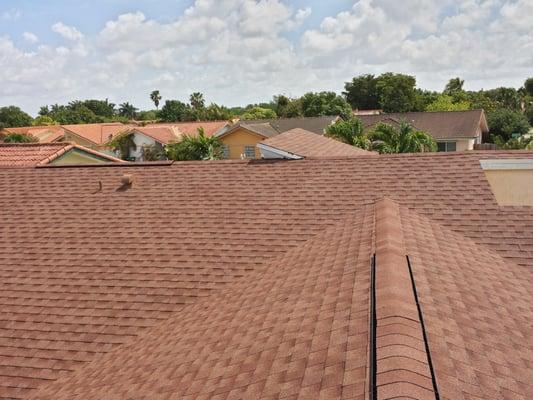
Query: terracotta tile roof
[306,144]
[191,128]
[33,154]
[440,124]
[161,134]
[97,133]
[45,134]
[214,279]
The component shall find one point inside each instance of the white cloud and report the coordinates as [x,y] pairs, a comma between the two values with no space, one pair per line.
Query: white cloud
[68,32]
[30,37]
[240,51]
[11,15]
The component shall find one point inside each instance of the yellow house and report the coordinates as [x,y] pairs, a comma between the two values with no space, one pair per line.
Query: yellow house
[241,139]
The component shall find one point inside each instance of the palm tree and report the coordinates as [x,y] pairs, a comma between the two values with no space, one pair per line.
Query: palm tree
[19,138]
[200,147]
[127,110]
[349,131]
[402,139]
[156,98]
[197,100]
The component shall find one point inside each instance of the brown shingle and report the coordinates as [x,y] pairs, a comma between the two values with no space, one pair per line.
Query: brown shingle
[224,275]
[306,144]
[440,124]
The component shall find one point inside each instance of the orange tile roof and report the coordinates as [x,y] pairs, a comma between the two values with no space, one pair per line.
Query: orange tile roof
[191,128]
[33,154]
[162,134]
[252,279]
[300,142]
[45,134]
[97,133]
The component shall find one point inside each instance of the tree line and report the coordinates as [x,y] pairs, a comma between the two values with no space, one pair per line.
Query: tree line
[509,110]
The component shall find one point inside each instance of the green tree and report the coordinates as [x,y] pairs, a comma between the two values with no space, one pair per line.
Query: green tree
[43,120]
[362,92]
[528,86]
[102,108]
[396,92]
[152,153]
[214,112]
[507,123]
[197,100]
[505,97]
[123,144]
[127,110]
[147,115]
[423,98]
[199,147]
[454,85]
[349,131]
[172,111]
[286,107]
[19,138]
[12,116]
[259,113]
[445,102]
[155,96]
[325,103]
[402,139]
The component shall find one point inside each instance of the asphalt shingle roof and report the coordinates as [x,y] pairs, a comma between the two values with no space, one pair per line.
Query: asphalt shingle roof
[251,279]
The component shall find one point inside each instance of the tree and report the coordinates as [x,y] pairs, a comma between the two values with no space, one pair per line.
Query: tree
[325,103]
[445,102]
[127,110]
[286,107]
[197,100]
[402,139]
[349,131]
[507,123]
[454,85]
[259,113]
[362,92]
[528,86]
[151,152]
[12,116]
[43,120]
[396,92]
[214,112]
[123,143]
[156,98]
[199,147]
[148,115]
[506,97]
[73,113]
[102,108]
[19,138]
[172,111]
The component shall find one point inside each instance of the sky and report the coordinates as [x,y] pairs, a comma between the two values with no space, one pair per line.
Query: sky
[245,51]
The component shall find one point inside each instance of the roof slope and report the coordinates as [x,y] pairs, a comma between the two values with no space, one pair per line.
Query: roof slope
[307,144]
[121,260]
[440,124]
[162,134]
[270,127]
[97,133]
[299,328]
[33,154]
[191,128]
[45,134]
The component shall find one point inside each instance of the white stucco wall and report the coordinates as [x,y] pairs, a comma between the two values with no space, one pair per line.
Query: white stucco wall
[464,144]
[140,141]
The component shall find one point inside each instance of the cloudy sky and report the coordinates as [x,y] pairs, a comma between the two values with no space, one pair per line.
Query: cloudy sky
[242,51]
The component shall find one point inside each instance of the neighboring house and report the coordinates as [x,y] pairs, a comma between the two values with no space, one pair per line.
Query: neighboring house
[156,136]
[94,136]
[36,154]
[397,274]
[241,139]
[453,130]
[298,143]
[44,134]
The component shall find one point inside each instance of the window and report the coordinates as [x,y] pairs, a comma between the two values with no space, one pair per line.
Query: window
[225,151]
[249,151]
[446,146]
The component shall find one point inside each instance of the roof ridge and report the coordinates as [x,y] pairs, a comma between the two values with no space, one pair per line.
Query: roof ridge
[402,366]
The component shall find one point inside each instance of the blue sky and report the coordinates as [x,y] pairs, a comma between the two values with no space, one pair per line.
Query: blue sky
[241,51]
